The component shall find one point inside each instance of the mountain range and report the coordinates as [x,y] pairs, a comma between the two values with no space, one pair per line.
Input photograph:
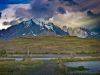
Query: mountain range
[41,27]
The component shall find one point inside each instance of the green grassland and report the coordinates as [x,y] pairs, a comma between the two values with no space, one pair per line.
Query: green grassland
[71,46]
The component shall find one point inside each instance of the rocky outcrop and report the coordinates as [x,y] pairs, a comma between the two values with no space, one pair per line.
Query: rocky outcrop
[79,32]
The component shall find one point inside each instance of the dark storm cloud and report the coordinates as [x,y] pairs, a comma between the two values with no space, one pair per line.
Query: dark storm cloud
[92,14]
[84,5]
[42,8]
[81,5]
[90,6]
[49,8]
[46,8]
[61,10]
[68,2]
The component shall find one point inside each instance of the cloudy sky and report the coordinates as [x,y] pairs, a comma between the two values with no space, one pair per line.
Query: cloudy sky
[72,13]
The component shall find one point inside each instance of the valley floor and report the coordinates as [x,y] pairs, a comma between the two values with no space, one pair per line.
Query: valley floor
[42,46]
[45,55]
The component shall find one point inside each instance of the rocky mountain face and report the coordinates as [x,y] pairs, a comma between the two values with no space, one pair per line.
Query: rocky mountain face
[41,27]
[31,27]
[79,32]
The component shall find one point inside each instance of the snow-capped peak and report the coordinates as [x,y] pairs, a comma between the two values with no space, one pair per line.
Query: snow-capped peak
[43,22]
[40,21]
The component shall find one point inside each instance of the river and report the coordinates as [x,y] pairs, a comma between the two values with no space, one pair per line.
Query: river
[93,66]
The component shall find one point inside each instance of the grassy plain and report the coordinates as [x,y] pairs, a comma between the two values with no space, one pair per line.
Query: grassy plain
[71,46]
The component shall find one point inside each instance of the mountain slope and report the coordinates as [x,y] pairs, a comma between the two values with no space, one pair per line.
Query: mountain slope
[30,28]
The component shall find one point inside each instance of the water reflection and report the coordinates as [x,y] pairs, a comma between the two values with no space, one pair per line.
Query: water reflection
[93,66]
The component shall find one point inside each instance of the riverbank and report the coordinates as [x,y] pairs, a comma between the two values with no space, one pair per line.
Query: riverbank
[40,67]
[52,57]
